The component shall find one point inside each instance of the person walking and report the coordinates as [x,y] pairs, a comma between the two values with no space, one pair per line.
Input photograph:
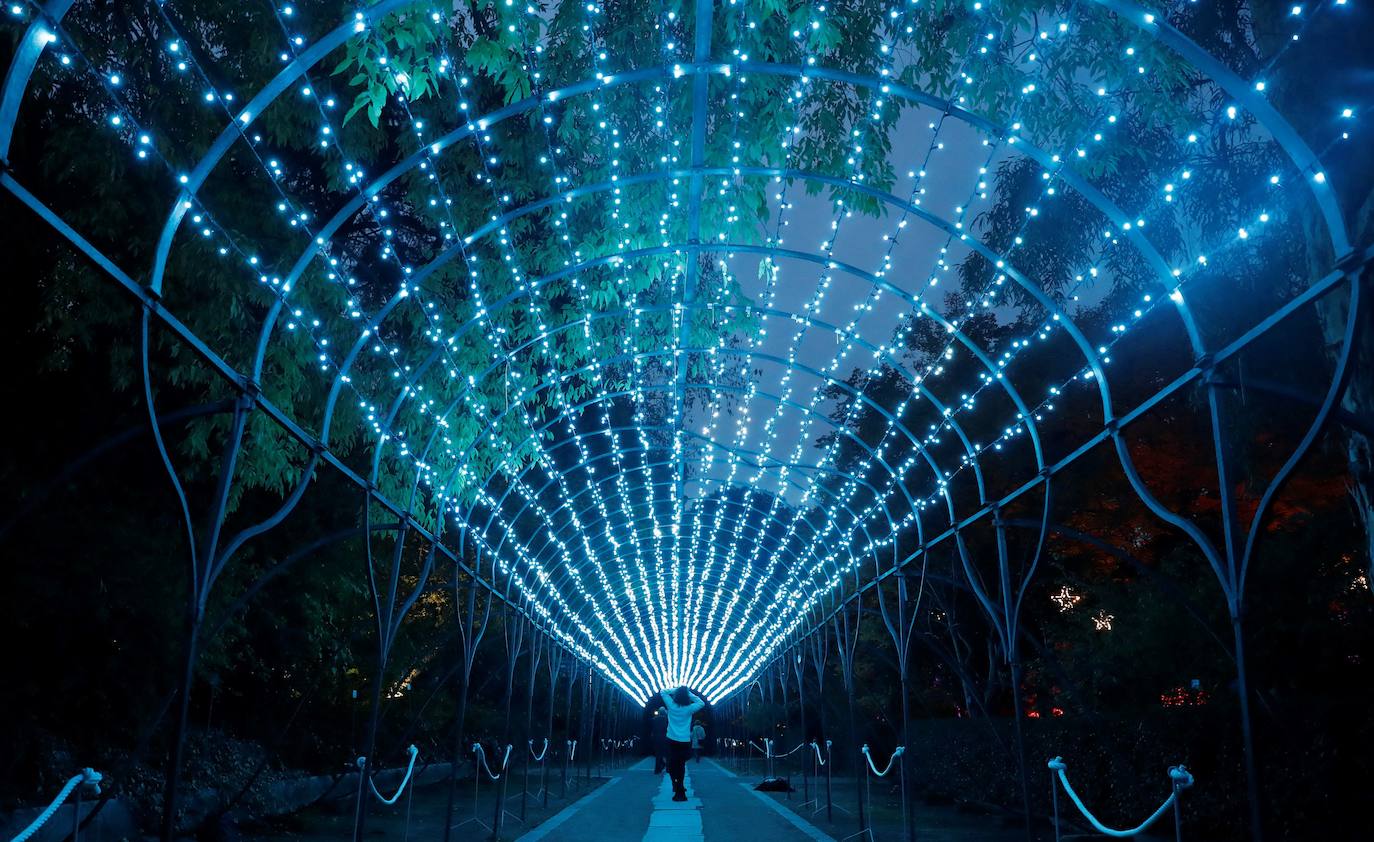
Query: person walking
[698,734]
[658,739]
[679,704]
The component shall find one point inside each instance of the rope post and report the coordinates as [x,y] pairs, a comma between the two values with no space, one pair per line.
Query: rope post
[76,817]
[1054,803]
[1182,779]
[868,794]
[479,764]
[829,784]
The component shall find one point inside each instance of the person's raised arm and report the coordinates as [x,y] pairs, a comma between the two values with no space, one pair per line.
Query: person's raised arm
[663,694]
[697,703]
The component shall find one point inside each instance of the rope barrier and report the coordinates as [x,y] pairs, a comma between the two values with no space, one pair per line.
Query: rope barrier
[410,768]
[761,749]
[539,758]
[1180,777]
[572,750]
[817,747]
[798,748]
[87,776]
[482,760]
[898,752]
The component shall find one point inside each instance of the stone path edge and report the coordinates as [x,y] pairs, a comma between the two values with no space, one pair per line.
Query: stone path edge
[552,823]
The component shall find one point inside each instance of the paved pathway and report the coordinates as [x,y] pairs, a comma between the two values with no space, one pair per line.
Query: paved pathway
[638,807]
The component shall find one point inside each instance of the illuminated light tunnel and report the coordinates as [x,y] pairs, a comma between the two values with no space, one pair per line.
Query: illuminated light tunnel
[696,342]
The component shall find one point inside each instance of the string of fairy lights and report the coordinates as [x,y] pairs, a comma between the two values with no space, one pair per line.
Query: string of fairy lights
[655,591]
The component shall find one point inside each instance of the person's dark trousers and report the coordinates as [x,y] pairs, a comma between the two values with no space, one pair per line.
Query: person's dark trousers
[660,756]
[697,753]
[677,765]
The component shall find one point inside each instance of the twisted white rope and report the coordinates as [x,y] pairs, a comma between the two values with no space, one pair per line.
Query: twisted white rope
[1180,777]
[539,758]
[482,760]
[900,750]
[410,767]
[87,776]
[798,748]
[572,750]
[762,749]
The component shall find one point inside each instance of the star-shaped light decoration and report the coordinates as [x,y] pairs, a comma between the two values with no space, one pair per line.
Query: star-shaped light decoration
[1066,598]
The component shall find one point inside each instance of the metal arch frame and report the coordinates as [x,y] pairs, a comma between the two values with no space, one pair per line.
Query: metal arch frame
[1036,292]
[643,468]
[1302,156]
[1174,36]
[732,352]
[1282,131]
[532,102]
[769,312]
[739,523]
[992,369]
[1349,270]
[609,395]
[676,249]
[246,389]
[467,518]
[909,94]
[27,52]
[1288,139]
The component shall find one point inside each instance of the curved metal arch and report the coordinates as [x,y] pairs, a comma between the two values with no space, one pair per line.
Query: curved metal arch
[1044,159]
[1019,278]
[920,387]
[26,54]
[412,161]
[991,368]
[1091,356]
[902,486]
[789,582]
[1283,132]
[1089,192]
[1297,150]
[279,84]
[466,519]
[443,492]
[643,468]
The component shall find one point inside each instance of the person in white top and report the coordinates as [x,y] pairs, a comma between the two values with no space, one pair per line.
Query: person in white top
[679,704]
[698,734]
